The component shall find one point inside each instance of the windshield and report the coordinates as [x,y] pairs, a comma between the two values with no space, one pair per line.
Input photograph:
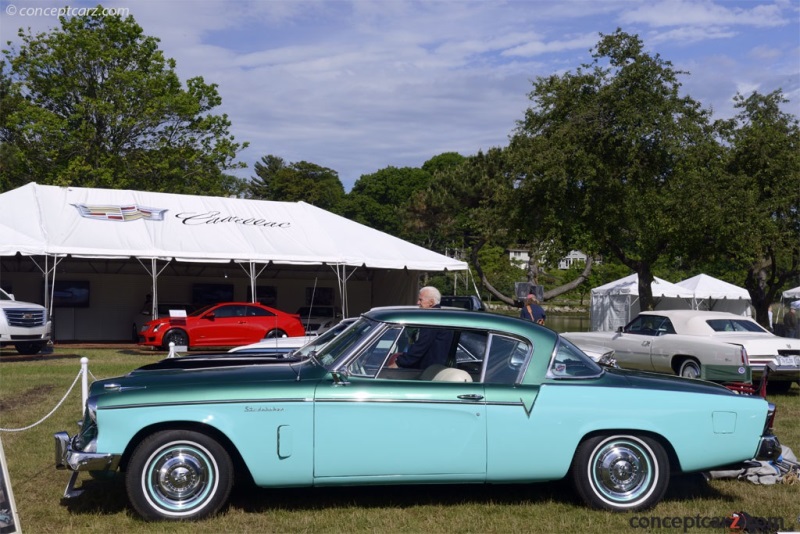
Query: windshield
[342,344]
[201,311]
[321,340]
[734,325]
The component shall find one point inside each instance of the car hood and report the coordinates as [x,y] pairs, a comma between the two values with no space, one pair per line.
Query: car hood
[18,304]
[178,379]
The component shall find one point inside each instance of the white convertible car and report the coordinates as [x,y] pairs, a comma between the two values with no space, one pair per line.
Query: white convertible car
[701,344]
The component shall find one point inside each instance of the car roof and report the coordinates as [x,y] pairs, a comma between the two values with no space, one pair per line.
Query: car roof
[457,318]
[694,321]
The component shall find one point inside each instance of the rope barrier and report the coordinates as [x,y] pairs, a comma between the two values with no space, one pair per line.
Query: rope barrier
[82,373]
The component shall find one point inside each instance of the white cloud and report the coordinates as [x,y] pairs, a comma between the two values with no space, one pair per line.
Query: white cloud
[358,86]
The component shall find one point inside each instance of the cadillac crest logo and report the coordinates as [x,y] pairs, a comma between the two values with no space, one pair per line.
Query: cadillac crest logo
[120,213]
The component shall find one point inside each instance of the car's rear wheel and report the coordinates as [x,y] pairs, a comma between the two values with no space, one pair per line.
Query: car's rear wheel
[275,333]
[690,369]
[177,336]
[179,475]
[620,472]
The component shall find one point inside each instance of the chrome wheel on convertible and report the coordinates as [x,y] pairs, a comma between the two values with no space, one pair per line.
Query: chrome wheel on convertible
[620,473]
[690,369]
[179,475]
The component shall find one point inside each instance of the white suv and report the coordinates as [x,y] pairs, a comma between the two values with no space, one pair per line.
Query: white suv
[23,325]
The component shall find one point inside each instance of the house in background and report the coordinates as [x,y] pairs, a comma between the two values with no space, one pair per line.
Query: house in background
[519,257]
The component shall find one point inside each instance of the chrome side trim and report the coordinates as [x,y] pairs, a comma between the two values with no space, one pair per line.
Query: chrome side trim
[202,402]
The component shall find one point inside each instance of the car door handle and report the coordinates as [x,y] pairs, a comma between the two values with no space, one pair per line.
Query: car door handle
[645,343]
[471,396]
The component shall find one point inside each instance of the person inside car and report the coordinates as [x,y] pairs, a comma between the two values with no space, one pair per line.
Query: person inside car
[432,345]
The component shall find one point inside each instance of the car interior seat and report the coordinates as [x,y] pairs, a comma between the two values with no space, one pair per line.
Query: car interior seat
[430,372]
[451,374]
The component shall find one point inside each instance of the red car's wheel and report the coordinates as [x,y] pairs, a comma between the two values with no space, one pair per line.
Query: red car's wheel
[177,336]
[275,333]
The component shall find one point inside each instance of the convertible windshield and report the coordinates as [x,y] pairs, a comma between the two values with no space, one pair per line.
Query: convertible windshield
[344,342]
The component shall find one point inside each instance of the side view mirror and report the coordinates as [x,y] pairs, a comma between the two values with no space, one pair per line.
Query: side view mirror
[209,316]
[620,329]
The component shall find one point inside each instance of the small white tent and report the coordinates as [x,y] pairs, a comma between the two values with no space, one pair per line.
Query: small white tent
[709,293]
[790,294]
[616,303]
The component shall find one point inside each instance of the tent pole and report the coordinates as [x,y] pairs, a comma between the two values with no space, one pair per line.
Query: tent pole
[154,290]
[253,276]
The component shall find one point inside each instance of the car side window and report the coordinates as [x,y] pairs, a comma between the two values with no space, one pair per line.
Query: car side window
[570,362]
[255,311]
[471,351]
[224,312]
[505,360]
[645,325]
[373,357]
[665,327]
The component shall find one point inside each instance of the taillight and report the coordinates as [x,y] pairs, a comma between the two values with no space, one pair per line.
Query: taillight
[770,418]
[745,358]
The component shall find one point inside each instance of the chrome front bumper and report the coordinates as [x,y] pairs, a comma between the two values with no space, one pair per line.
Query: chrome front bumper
[769,449]
[68,458]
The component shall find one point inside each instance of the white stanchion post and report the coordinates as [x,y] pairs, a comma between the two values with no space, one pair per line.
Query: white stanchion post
[84,381]
[171,349]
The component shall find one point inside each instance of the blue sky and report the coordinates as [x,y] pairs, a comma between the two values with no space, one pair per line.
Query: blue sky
[361,85]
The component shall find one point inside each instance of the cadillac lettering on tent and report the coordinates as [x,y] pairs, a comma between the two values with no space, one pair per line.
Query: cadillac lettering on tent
[120,213]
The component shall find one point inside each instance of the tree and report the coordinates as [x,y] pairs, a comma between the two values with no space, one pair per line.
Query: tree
[473,206]
[619,161]
[442,162]
[378,200]
[293,182]
[96,104]
[765,159]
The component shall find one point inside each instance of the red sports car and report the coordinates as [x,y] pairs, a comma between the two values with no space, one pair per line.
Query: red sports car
[221,325]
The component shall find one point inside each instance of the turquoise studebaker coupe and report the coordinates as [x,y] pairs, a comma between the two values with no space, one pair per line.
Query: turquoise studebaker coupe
[511,402]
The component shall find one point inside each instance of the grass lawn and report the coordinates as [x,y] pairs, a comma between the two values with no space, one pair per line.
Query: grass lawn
[32,386]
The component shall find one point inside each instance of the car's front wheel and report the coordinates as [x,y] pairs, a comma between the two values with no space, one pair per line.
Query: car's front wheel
[620,472]
[689,369]
[177,336]
[179,475]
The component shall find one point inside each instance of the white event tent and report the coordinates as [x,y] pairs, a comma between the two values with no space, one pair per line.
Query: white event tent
[149,232]
[616,303]
[792,296]
[792,293]
[709,293]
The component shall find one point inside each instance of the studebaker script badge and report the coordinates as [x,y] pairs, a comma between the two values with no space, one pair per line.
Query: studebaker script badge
[262,409]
